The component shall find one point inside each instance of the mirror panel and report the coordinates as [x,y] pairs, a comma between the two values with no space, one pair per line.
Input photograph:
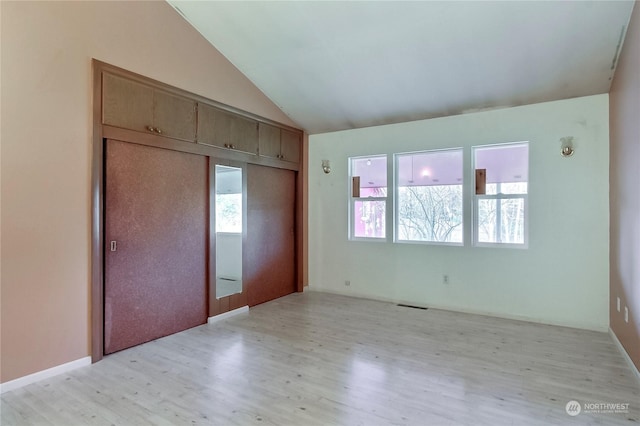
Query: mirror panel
[229,230]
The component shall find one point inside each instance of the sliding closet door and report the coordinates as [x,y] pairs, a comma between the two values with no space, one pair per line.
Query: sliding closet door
[156,224]
[269,267]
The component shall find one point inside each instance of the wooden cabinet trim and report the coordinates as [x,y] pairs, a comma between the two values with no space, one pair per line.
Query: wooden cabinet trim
[103,131]
[195,148]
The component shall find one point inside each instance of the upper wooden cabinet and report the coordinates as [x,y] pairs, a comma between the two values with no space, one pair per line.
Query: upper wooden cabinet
[279,143]
[290,146]
[133,102]
[269,141]
[227,130]
[135,106]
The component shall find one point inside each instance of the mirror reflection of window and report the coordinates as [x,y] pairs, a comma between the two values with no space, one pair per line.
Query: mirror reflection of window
[229,226]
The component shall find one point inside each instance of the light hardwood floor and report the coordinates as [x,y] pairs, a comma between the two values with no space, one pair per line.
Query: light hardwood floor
[321,359]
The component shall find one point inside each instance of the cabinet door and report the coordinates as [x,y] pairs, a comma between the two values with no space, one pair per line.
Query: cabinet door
[290,146]
[126,103]
[244,134]
[213,127]
[156,215]
[174,116]
[270,267]
[269,140]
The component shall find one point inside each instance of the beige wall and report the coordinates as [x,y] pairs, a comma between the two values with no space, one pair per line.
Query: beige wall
[567,258]
[45,164]
[624,115]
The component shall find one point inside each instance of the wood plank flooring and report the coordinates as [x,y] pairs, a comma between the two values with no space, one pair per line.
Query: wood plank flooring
[321,359]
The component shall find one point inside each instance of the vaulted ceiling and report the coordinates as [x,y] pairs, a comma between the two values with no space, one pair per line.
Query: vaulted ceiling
[342,65]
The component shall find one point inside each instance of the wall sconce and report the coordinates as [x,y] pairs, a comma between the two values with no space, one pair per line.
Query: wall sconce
[326,166]
[567,146]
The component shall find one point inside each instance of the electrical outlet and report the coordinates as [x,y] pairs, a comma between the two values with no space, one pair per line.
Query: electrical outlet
[626,314]
[445,279]
[347,283]
[618,304]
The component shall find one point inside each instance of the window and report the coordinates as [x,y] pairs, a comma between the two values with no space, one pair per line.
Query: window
[368,206]
[429,196]
[500,204]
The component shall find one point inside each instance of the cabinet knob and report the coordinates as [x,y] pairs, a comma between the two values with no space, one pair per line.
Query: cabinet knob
[233,146]
[158,131]
[151,129]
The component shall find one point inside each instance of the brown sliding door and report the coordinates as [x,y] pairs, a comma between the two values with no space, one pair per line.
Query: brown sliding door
[156,233]
[269,268]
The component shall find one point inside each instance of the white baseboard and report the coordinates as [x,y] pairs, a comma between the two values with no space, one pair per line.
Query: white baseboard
[582,326]
[226,315]
[44,374]
[624,353]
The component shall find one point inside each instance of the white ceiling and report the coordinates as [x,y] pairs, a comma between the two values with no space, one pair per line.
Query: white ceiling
[342,65]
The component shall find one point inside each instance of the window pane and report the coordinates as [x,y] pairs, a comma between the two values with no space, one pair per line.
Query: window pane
[372,172]
[510,188]
[512,221]
[513,188]
[369,219]
[429,197]
[430,213]
[507,167]
[491,188]
[373,192]
[487,221]
[501,220]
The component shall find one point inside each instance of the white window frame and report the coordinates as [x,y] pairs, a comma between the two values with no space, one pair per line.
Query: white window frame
[396,214]
[353,200]
[498,197]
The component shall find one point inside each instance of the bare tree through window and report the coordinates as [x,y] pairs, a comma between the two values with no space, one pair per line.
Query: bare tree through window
[429,196]
[430,213]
